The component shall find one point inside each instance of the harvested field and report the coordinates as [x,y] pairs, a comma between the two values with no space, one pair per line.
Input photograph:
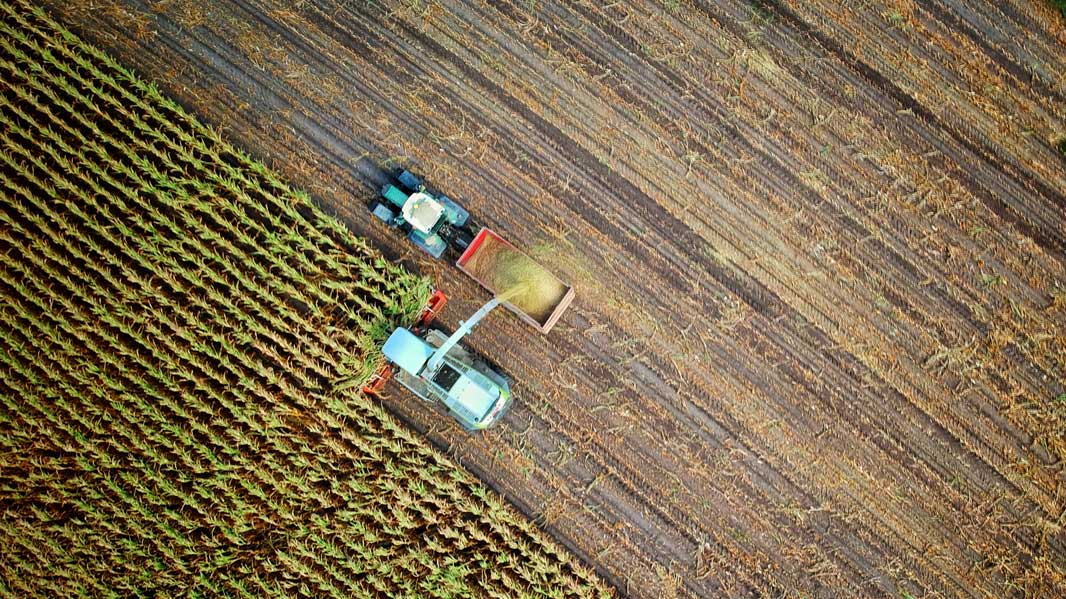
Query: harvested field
[182,343]
[819,249]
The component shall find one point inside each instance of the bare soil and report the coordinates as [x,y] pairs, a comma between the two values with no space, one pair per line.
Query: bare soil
[819,341]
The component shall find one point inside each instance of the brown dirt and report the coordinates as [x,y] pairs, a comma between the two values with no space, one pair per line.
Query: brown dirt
[819,251]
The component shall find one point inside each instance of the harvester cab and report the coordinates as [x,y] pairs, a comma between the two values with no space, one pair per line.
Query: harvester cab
[432,221]
[436,368]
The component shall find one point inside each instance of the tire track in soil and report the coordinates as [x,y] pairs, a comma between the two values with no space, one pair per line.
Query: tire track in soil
[955,440]
[952,20]
[589,162]
[1018,363]
[568,425]
[1050,238]
[950,300]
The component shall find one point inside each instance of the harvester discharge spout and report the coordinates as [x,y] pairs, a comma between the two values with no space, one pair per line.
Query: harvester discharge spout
[464,328]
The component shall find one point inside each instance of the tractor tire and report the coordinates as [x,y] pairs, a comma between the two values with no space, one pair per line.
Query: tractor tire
[383,213]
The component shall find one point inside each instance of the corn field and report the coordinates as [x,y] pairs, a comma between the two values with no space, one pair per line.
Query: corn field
[184,338]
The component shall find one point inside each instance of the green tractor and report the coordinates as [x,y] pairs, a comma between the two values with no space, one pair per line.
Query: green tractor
[432,221]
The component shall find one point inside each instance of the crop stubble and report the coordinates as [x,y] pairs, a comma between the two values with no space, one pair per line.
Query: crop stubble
[818,251]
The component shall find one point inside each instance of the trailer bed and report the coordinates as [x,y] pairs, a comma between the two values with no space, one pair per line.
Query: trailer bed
[539,297]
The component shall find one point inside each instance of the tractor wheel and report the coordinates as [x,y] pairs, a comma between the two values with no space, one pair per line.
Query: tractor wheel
[382,212]
[409,181]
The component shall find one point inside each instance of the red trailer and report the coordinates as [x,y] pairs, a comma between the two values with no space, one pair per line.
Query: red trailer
[498,265]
